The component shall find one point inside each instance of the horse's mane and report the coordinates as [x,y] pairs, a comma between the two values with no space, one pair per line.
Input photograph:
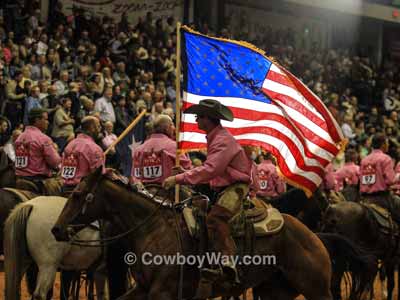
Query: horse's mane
[117,178]
[290,202]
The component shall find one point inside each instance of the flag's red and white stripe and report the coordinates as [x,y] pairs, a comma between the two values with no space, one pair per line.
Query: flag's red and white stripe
[296,128]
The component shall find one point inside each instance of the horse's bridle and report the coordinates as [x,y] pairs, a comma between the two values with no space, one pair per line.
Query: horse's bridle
[88,200]
[107,241]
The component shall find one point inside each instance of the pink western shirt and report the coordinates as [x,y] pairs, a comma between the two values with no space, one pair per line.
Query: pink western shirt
[154,159]
[396,185]
[35,154]
[226,162]
[328,182]
[349,174]
[376,172]
[271,185]
[81,157]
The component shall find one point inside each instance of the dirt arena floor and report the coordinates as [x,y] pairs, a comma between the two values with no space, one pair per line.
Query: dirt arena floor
[56,296]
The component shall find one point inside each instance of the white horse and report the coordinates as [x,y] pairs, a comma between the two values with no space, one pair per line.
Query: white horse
[27,237]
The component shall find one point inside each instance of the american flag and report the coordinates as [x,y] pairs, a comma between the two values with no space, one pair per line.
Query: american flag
[272,108]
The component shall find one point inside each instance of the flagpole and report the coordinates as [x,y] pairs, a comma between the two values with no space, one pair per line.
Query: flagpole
[178,101]
[126,131]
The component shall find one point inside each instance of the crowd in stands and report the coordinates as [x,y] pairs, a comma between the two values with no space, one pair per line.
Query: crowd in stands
[81,65]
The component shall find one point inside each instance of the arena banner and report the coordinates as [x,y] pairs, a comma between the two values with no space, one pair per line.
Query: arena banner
[134,9]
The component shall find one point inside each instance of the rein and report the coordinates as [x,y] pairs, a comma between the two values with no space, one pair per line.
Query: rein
[113,239]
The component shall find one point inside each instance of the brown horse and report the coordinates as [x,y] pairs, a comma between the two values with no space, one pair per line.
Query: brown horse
[354,220]
[7,171]
[303,263]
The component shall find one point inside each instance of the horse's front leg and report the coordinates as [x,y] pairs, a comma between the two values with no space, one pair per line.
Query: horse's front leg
[45,281]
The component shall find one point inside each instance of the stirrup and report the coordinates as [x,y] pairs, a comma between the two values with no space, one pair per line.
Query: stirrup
[228,272]
[212,274]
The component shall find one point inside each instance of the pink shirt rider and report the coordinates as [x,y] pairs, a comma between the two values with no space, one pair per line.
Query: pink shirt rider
[226,163]
[271,185]
[396,185]
[328,182]
[81,157]
[35,154]
[376,172]
[349,174]
[154,159]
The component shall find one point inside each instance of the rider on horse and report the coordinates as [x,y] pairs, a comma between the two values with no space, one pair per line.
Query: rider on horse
[270,184]
[349,174]
[228,171]
[377,176]
[82,155]
[154,160]
[36,154]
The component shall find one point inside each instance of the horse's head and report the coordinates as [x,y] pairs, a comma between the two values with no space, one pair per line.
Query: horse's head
[83,207]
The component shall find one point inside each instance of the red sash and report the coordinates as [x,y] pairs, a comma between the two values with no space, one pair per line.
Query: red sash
[70,165]
[152,165]
[21,155]
[368,176]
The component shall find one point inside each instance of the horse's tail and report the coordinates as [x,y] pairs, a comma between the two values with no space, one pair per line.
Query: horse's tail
[16,254]
[346,256]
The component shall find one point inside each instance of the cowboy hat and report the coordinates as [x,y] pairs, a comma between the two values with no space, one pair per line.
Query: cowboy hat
[211,108]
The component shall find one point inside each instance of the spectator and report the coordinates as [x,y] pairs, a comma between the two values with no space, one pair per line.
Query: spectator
[33,101]
[123,119]
[87,107]
[120,74]
[109,138]
[108,80]
[96,85]
[52,97]
[347,128]
[105,107]
[74,94]
[9,147]
[3,131]
[63,124]
[40,71]
[157,110]
[169,112]
[62,84]
[42,46]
